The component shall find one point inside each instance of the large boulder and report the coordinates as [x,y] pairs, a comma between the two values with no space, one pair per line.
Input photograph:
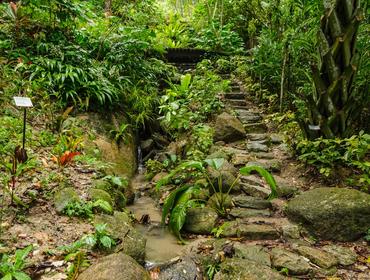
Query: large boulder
[332,213]
[228,128]
[116,266]
[200,220]
[133,242]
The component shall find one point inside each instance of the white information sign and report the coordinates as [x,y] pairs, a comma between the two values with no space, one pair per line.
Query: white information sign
[314,127]
[22,101]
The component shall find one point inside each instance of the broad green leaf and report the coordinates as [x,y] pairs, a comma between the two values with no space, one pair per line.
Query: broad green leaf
[265,174]
[181,168]
[215,163]
[7,277]
[103,205]
[21,276]
[106,241]
[90,241]
[170,201]
[20,256]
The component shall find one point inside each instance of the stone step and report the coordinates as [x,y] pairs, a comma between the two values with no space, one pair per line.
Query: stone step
[247,119]
[244,201]
[249,231]
[257,137]
[257,127]
[235,87]
[248,213]
[235,95]
[237,102]
[257,147]
[255,191]
[272,165]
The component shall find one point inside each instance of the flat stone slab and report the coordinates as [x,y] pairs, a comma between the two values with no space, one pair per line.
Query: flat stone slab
[254,253]
[344,255]
[255,191]
[237,102]
[270,165]
[240,159]
[257,147]
[255,127]
[257,137]
[251,202]
[235,95]
[249,231]
[247,213]
[243,269]
[318,257]
[296,264]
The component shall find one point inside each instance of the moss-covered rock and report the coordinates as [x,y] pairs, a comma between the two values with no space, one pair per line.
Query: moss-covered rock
[116,266]
[246,269]
[332,213]
[200,220]
[98,194]
[63,197]
[228,128]
[119,226]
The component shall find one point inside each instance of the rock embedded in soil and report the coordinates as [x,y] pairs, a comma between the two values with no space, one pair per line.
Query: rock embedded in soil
[247,213]
[200,220]
[249,231]
[246,269]
[295,264]
[245,201]
[253,128]
[228,128]
[254,253]
[133,242]
[257,137]
[344,255]
[257,147]
[184,269]
[64,197]
[332,213]
[269,165]
[255,191]
[321,258]
[116,266]
[98,194]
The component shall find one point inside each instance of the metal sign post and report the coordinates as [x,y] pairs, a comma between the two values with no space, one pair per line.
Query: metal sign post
[23,102]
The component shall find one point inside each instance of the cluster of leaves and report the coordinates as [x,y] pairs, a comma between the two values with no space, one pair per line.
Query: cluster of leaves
[192,101]
[328,154]
[201,141]
[86,209]
[69,52]
[11,267]
[100,239]
[187,194]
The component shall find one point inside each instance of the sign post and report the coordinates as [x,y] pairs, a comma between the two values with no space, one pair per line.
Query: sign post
[23,102]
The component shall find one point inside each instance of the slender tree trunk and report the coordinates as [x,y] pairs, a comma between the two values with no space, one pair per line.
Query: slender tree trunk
[108,7]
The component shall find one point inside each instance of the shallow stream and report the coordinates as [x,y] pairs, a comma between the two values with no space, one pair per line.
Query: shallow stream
[161,245]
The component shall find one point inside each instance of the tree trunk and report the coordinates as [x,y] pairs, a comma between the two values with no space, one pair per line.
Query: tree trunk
[332,104]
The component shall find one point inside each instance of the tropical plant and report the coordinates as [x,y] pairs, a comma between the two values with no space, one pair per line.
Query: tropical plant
[185,196]
[333,105]
[11,267]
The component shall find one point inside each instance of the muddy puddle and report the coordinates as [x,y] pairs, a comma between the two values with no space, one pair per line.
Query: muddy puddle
[161,245]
